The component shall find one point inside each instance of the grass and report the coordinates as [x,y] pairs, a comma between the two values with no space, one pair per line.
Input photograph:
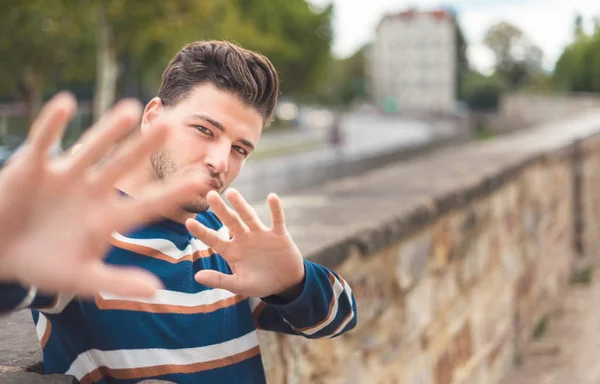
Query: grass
[541,327]
[482,132]
[582,276]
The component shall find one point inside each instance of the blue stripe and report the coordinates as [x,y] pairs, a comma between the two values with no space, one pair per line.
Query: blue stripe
[137,330]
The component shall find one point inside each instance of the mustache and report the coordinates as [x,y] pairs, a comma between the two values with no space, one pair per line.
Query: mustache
[216,177]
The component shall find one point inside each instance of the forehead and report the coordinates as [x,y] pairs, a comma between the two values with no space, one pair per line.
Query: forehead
[225,107]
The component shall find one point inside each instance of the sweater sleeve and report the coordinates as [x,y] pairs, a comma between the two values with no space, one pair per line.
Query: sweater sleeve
[325,308]
[14,297]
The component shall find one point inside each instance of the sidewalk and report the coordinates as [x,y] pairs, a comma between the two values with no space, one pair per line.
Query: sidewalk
[569,350]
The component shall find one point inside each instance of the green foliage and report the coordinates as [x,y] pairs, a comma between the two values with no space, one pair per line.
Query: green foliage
[50,45]
[483,93]
[349,78]
[296,38]
[517,58]
[578,68]
[42,42]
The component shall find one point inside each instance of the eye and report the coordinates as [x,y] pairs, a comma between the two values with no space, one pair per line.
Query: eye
[204,130]
[240,150]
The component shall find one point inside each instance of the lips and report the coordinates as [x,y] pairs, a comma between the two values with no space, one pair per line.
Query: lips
[215,183]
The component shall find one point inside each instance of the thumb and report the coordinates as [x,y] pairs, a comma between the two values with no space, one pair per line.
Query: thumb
[214,279]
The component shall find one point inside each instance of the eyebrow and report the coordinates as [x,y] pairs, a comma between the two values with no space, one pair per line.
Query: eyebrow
[221,128]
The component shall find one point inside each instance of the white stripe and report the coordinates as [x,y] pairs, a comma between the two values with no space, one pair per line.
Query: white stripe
[223,232]
[254,301]
[28,299]
[143,358]
[183,299]
[348,291]
[41,325]
[61,303]
[349,319]
[167,247]
[343,325]
[337,291]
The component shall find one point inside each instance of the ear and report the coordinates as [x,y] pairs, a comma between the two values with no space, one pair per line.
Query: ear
[152,112]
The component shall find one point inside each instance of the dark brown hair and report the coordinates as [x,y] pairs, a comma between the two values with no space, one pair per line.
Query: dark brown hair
[229,67]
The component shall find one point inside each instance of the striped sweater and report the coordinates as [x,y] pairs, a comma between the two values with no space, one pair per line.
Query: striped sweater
[187,332]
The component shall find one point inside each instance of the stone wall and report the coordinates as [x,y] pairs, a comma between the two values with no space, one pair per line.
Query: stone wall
[454,258]
[524,109]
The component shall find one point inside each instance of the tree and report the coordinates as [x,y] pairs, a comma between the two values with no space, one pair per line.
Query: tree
[517,58]
[578,26]
[41,42]
[293,35]
[462,60]
[141,34]
[483,93]
[123,45]
[578,68]
[349,78]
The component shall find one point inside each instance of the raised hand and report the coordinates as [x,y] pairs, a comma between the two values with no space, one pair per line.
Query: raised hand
[264,261]
[57,215]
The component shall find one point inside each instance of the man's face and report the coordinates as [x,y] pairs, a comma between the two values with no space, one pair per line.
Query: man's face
[212,132]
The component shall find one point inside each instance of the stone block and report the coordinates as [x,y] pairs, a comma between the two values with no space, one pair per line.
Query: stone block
[420,371]
[413,256]
[419,306]
[34,378]
[19,345]
[443,369]
[461,347]
[446,290]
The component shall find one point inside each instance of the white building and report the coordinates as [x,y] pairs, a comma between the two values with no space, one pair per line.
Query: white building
[413,62]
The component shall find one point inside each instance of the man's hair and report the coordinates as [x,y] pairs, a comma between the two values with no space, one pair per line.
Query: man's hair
[229,67]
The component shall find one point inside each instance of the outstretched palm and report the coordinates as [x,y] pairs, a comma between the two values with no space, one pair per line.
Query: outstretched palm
[264,261]
[57,215]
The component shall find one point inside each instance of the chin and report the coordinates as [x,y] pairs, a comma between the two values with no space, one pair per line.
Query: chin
[195,208]
[198,206]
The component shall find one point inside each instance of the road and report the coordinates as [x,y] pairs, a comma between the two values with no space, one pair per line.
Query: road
[367,135]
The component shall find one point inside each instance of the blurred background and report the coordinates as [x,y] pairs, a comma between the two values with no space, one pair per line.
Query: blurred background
[362,82]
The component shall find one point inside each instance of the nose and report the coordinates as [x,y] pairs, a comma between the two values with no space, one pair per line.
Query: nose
[217,157]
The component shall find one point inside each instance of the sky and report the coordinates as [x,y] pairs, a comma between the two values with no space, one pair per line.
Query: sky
[547,23]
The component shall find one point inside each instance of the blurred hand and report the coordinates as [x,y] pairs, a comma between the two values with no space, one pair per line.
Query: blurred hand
[57,214]
[264,261]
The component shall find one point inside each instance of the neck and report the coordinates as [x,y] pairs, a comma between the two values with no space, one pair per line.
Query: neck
[142,178]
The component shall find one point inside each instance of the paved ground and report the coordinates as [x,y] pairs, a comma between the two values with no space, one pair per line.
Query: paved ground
[365,136]
[569,351]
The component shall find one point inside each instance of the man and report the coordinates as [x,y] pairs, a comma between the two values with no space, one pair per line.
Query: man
[224,272]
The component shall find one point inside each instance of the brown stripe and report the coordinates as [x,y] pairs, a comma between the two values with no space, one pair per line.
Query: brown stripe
[257,312]
[146,372]
[127,305]
[46,334]
[342,323]
[332,281]
[155,253]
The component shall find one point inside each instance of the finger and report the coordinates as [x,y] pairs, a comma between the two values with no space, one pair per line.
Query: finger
[226,214]
[128,156]
[99,139]
[245,210]
[155,201]
[50,124]
[208,236]
[218,280]
[277,215]
[122,281]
